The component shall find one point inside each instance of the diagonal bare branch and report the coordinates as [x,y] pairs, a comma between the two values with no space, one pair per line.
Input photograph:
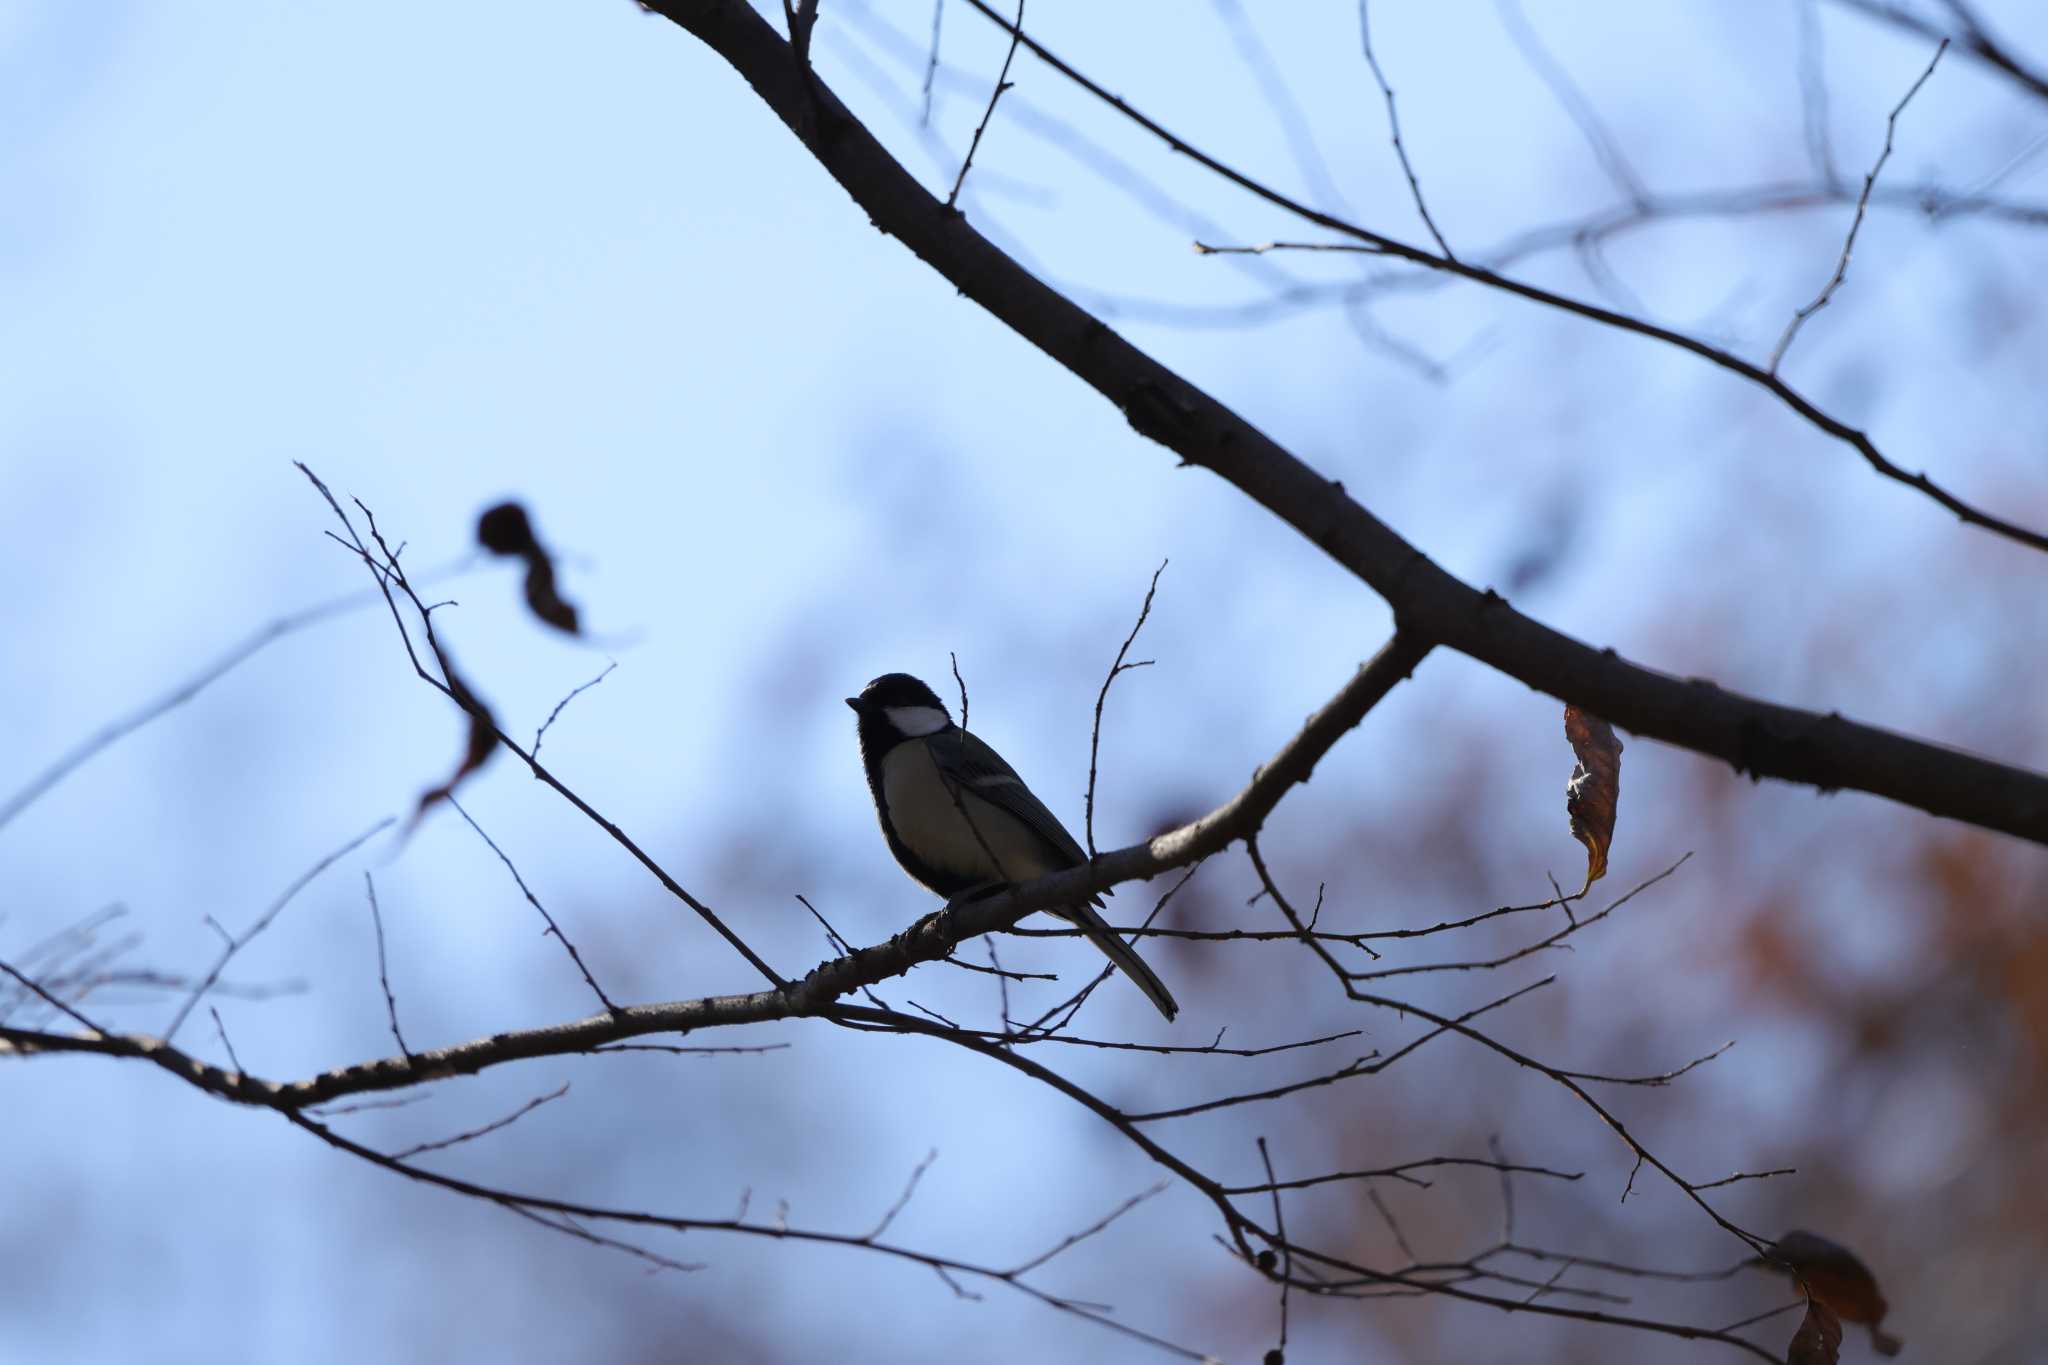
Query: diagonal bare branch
[930,939]
[1757,737]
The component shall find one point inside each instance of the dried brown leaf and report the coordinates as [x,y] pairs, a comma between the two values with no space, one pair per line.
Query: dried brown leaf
[506,530]
[541,595]
[1819,1338]
[482,742]
[1832,1275]
[1594,791]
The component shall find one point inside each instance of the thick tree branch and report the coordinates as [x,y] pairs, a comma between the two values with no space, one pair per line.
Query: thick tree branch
[819,995]
[929,940]
[1756,737]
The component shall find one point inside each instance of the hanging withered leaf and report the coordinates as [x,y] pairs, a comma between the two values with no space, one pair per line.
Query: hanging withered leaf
[1819,1338]
[1593,792]
[506,530]
[482,742]
[1832,1276]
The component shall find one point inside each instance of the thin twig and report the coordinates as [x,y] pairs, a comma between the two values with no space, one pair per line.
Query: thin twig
[541,733]
[1002,84]
[802,17]
[1572,926]
[361,1106]
[1662,1078]
[988,942]
[1402,1174]
[383,971]
[931,66]
[533,900]
[1118,174]
[1394,124]
[957,791]
[94,1032]
[1369,1065]
[1212,1049]
[1765,1316]
[839,945]
[235,944]
[226,1046]
[1280,1230]
[1358,940]
[1263,248]
[473,1134]
[1827,292]
[1074,1239]
[738,1049]
[1278,91]
[964,965]
[1507,1188]
[82,752]
[1387,1217]
[1102,696]
[1617,1267]
[1606,150]
[1745,1175]
[916,1174]
[1813,94]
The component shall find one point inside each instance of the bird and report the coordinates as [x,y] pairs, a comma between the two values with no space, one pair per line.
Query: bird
[959,819]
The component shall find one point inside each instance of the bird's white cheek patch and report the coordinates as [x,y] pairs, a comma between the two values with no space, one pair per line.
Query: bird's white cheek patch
[917,721]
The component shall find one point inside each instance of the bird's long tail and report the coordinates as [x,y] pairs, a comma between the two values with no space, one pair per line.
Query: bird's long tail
[1120,953]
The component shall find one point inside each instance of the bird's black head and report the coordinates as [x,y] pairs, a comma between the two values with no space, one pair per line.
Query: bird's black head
[896,707]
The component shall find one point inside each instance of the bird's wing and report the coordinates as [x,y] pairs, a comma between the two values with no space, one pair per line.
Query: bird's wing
[966,760]
[963,758]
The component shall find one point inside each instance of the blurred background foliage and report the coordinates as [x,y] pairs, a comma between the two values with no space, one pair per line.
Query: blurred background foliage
[445,254]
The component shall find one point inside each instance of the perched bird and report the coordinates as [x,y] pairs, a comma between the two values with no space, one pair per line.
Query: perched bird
[959,819]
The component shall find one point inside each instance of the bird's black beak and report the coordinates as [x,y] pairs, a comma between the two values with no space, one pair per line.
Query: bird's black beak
[854,702]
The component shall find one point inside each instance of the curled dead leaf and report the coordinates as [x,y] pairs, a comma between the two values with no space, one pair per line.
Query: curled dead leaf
[506,530]
[1594,790]
[1819,1338]
[1832,1276]
[482,741]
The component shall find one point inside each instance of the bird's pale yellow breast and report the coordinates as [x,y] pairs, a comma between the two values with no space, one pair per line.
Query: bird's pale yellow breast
[958,835]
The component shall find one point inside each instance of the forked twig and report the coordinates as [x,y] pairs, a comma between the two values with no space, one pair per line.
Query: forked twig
[1827,292]
[1002,84]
